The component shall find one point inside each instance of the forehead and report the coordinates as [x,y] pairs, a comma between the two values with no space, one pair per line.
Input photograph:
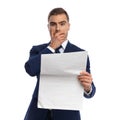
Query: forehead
[58,18]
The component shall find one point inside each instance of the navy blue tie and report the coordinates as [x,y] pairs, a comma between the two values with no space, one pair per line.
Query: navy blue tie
[57,50]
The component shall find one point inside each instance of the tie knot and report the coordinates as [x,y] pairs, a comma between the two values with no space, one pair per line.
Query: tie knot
[57,50]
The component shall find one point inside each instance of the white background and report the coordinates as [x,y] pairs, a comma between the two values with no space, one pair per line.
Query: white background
[95,26]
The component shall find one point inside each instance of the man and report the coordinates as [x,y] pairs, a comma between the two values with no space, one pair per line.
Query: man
[58,25]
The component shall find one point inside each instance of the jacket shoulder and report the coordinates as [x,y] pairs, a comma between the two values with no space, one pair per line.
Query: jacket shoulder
[75,47]
[38,48]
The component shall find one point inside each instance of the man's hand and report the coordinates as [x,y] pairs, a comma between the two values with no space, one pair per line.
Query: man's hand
[57,39]
[86,80]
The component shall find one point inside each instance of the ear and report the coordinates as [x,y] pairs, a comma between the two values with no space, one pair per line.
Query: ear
[68,26]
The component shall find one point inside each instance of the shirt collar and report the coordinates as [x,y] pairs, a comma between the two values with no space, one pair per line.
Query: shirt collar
[64,44]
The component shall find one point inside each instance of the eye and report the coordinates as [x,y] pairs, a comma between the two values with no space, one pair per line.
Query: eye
[52,24]
[62,23]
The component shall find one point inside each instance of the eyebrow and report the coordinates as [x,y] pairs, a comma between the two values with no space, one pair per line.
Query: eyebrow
[58,22]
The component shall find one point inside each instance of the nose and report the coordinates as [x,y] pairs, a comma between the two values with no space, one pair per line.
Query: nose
[57,27]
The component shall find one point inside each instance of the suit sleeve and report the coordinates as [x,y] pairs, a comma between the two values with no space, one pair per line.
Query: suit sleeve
[93,86]
[32,66]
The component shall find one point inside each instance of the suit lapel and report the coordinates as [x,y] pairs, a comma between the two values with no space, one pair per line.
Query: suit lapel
[68,47]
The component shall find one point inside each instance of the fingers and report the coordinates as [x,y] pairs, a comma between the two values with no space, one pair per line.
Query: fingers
[57,40]
[59,37]
[85,79]
[85,76]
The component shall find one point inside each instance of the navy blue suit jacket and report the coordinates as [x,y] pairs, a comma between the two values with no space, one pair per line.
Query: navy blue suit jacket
[32,67]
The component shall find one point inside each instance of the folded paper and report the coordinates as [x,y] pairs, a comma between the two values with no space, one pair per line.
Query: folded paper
[59,87]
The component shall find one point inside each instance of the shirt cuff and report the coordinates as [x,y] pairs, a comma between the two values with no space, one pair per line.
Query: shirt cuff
[88,93]
[51,49]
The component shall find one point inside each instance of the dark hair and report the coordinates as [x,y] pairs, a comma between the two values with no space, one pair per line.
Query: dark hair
[57,11]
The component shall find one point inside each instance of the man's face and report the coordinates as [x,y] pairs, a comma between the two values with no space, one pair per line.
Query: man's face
[58,24]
